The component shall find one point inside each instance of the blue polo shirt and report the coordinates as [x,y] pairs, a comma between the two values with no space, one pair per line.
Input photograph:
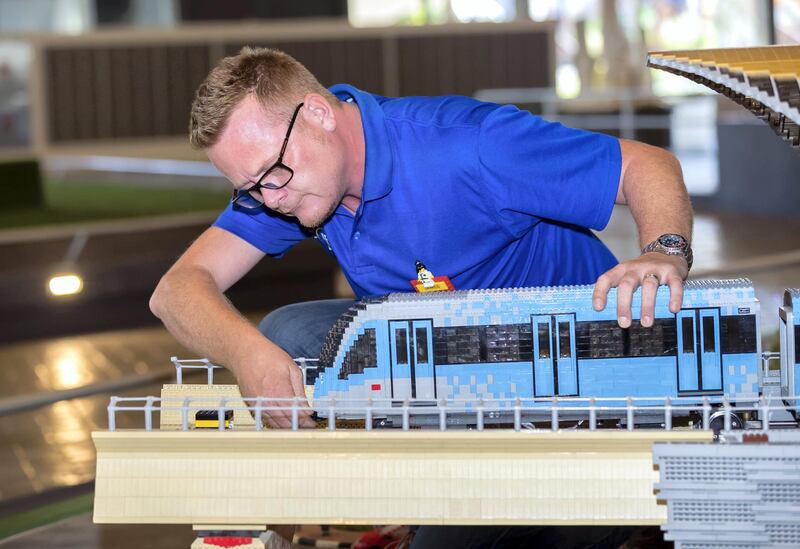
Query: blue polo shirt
[488,195]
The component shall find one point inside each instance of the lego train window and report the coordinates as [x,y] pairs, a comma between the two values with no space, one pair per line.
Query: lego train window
[334,338]
[564,342]
[400,339]
[457,345]
[476,344]
[544,340]
[362,354]
[708,334]
[738,334]
[658,340]
[605,339]
[422,345]
[508,343]
[687,327]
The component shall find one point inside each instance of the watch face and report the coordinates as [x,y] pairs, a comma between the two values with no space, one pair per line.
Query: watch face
[672,241]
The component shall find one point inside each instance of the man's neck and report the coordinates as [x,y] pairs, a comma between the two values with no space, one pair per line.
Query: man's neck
[355,150]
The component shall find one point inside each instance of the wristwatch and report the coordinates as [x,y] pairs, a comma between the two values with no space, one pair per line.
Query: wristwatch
[671,244]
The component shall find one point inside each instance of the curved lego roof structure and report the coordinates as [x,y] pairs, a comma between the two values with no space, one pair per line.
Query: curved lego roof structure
[763,80]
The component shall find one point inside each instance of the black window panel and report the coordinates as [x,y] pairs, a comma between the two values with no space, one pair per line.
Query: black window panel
[708,335]
[508,343]
[605,339]
[626,342]
[456,345]
[525,342]
[482,344]
[422,345]
[797,344]
[465,347]
[544,340]
[363,354]
[475,344]
[737,334]
[334,338]
[658,340]
[687,327]
[564,340]
[401,343]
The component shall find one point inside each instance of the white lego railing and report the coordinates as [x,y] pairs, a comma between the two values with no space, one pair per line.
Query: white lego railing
[580,409]
[194,364]
[577,409]
[199,363]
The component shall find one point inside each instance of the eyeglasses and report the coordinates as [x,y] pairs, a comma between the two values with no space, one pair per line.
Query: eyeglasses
[275,177]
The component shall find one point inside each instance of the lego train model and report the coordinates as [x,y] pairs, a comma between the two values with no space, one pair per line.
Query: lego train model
[498,345]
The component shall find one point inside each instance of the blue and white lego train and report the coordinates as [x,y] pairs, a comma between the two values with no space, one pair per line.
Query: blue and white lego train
[537,343]
[789,334]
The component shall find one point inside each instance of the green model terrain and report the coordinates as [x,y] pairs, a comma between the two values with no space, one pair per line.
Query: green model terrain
[75,202]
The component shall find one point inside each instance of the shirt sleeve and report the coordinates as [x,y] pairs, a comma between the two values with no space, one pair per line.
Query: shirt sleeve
[268,231]
[535,169]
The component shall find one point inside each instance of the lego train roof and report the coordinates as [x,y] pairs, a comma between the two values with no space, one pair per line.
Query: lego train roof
[545,291]
[791,298]
[409,304]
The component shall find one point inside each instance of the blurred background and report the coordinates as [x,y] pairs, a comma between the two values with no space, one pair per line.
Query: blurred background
[100,191]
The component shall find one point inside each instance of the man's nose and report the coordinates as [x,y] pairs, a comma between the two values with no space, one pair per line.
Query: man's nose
[273,197]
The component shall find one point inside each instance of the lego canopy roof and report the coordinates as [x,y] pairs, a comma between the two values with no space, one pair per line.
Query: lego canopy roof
[763,80]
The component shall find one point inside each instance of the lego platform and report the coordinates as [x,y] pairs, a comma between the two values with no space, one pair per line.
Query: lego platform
[241,478]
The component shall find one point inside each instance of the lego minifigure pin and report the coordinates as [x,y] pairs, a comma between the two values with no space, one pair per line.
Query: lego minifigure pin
[426,282]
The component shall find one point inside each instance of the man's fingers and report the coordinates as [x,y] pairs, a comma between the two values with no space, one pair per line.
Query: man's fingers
[601,288]
[298,383]
[278,413]
[299,389]
[675,292]
[649,272]
[275,419]
[625,291]
[650,284]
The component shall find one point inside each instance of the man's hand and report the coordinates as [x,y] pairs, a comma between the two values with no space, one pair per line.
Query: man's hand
[648,271]
[275,376]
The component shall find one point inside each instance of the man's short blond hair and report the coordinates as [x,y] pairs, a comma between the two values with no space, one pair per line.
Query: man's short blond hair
[277,79]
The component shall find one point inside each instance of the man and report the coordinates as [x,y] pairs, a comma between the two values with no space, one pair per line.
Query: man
[487,195]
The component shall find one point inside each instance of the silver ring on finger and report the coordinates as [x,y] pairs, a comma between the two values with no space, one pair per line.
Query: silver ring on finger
[652,275]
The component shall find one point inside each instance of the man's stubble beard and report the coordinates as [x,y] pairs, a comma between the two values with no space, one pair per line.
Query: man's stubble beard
[317,223]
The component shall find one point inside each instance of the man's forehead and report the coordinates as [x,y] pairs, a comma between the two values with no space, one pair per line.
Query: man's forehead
[248,122]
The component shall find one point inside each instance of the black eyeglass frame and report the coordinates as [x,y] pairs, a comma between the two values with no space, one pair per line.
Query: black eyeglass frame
[245,197]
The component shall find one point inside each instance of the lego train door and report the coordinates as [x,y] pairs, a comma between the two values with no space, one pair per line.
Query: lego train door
[411,343]
[699,357]
[790,355]
[555,368]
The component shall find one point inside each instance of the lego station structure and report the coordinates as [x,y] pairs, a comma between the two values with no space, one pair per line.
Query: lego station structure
[556,459]
[517,406]
[763,80]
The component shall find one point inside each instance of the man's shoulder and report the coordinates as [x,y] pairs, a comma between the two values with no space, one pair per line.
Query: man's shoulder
[443,110]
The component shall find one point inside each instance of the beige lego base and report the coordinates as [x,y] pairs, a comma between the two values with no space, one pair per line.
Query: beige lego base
[379,477]
[171,412]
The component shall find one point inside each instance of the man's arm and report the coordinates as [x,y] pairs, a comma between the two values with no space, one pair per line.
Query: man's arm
[651,184]
[189,300]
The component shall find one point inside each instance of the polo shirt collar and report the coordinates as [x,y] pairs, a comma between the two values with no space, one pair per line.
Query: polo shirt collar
[377,144]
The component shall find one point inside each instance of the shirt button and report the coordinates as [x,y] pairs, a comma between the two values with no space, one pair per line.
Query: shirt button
[356,235]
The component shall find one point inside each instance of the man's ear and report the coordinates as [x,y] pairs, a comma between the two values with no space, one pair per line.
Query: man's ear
[317,110]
